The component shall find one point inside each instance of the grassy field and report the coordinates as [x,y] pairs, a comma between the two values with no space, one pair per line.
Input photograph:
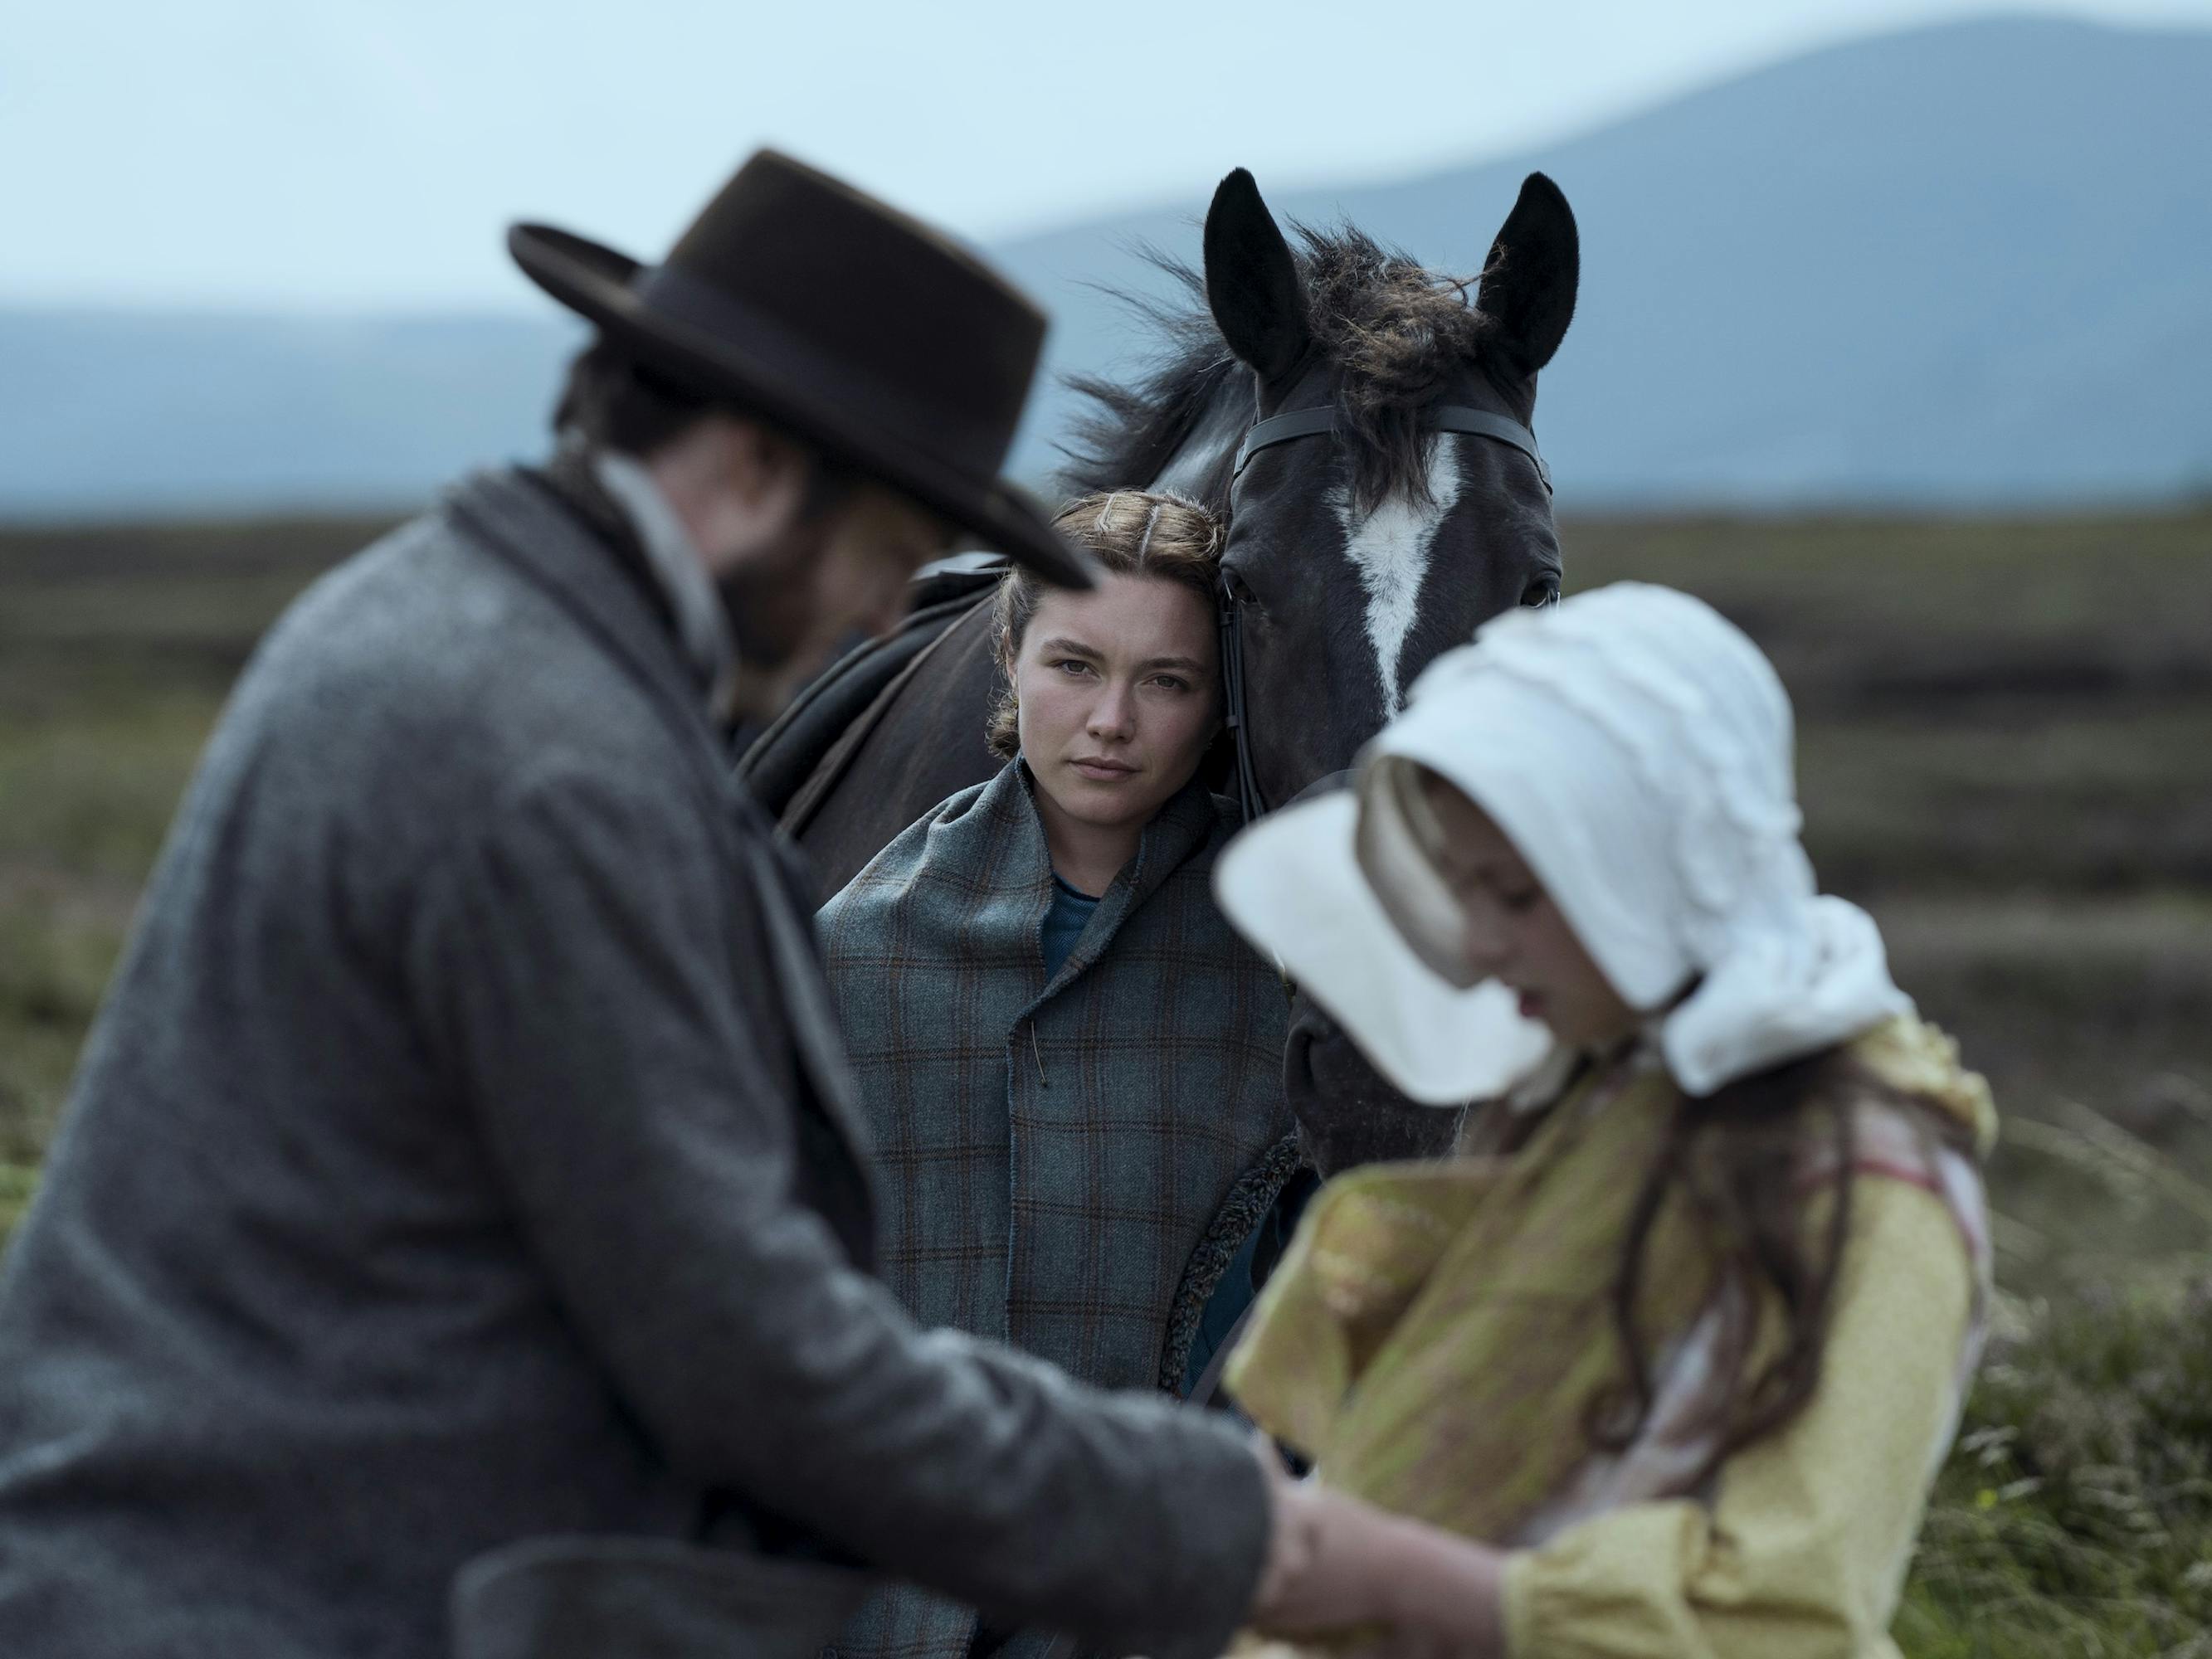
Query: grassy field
[2005,750]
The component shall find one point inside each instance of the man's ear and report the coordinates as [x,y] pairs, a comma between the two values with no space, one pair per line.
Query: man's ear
[736,485]
[762,466]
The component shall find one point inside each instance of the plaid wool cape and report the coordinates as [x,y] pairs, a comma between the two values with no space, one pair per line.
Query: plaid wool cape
[1065,1166]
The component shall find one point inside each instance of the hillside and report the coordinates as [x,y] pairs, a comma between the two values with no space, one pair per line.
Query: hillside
[1959,266]
[1964,264]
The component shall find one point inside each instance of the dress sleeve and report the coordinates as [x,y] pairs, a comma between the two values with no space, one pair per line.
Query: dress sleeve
[1805,1547]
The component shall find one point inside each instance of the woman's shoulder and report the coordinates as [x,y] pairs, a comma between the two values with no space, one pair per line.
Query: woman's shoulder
[955,832]
[1185,902]
[1198,825]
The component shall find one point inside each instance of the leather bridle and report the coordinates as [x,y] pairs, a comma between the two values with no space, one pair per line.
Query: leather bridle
[1314,422]
[1320,420]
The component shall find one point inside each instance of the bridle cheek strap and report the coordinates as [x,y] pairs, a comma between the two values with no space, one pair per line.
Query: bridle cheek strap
[1232,699]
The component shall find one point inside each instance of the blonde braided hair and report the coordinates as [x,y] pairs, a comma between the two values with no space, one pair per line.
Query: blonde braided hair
[1131,533]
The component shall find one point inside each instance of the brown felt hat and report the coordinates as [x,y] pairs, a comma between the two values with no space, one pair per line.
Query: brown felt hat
[862,329]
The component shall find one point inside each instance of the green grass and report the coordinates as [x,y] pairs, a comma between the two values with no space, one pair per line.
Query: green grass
[2005,749]
[89,795]
[58,942]
[2105,798]
[2074,1517]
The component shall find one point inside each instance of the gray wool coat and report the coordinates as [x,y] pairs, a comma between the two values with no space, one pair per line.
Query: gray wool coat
[1067,1165]
[461,1179]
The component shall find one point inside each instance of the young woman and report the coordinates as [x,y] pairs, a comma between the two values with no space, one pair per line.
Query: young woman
[1683,1335]
[1070,1065]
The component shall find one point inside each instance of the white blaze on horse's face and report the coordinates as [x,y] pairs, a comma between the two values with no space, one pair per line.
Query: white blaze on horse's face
[1390,548]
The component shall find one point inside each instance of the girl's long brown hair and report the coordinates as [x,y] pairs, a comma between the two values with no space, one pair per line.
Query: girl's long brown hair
[1738,1158]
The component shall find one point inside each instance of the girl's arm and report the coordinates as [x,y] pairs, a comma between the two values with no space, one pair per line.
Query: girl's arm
[1806,1547]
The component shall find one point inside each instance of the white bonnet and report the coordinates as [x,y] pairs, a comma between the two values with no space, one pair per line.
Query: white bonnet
[1636,748]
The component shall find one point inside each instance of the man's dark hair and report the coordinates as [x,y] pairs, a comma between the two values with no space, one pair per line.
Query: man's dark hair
[612,400]
[615,401]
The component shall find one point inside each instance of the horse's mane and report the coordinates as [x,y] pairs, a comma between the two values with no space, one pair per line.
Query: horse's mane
[1392,329]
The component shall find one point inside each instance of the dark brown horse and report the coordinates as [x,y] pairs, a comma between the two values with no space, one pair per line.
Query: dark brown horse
[1359,555]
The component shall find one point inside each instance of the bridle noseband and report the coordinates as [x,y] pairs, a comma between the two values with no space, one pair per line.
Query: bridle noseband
[1314,422]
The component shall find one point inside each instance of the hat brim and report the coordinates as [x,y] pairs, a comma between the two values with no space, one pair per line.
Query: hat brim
[597,282]
[1291,885]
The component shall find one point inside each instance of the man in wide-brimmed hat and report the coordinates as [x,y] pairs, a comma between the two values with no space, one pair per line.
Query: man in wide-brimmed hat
[460,1206]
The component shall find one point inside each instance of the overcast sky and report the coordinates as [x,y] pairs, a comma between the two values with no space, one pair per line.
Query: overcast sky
[337,153]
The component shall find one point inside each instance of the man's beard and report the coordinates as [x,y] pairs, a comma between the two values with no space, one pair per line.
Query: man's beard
[774,616]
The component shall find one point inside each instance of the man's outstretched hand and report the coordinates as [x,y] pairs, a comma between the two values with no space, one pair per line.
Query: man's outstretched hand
[1337,1566]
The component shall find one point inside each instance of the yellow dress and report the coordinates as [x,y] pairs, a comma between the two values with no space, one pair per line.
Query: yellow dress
[1439,1335]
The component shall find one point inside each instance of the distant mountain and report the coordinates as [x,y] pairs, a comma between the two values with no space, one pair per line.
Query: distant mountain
[120,414]
[1964,266]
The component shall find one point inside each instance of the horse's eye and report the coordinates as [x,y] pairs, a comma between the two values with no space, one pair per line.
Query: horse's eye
[1544,591]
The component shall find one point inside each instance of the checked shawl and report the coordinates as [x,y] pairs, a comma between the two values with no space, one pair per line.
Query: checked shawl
[1051,1156]
[1068,1167]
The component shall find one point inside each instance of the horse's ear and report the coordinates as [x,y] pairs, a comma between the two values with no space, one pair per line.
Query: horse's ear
[1536,265]
[1252,284]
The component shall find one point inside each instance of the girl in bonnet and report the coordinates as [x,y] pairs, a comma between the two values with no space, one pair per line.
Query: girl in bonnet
[1683,1334]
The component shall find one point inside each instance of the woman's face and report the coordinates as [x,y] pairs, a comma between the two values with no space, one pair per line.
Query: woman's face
[1117,694]
[1514,932]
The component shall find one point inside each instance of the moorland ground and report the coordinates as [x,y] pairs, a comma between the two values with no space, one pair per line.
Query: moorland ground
[2005,751]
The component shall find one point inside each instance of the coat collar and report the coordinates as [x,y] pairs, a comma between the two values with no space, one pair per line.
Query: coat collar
[701,623]
[1020,863]
[528,526]
[525,524]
